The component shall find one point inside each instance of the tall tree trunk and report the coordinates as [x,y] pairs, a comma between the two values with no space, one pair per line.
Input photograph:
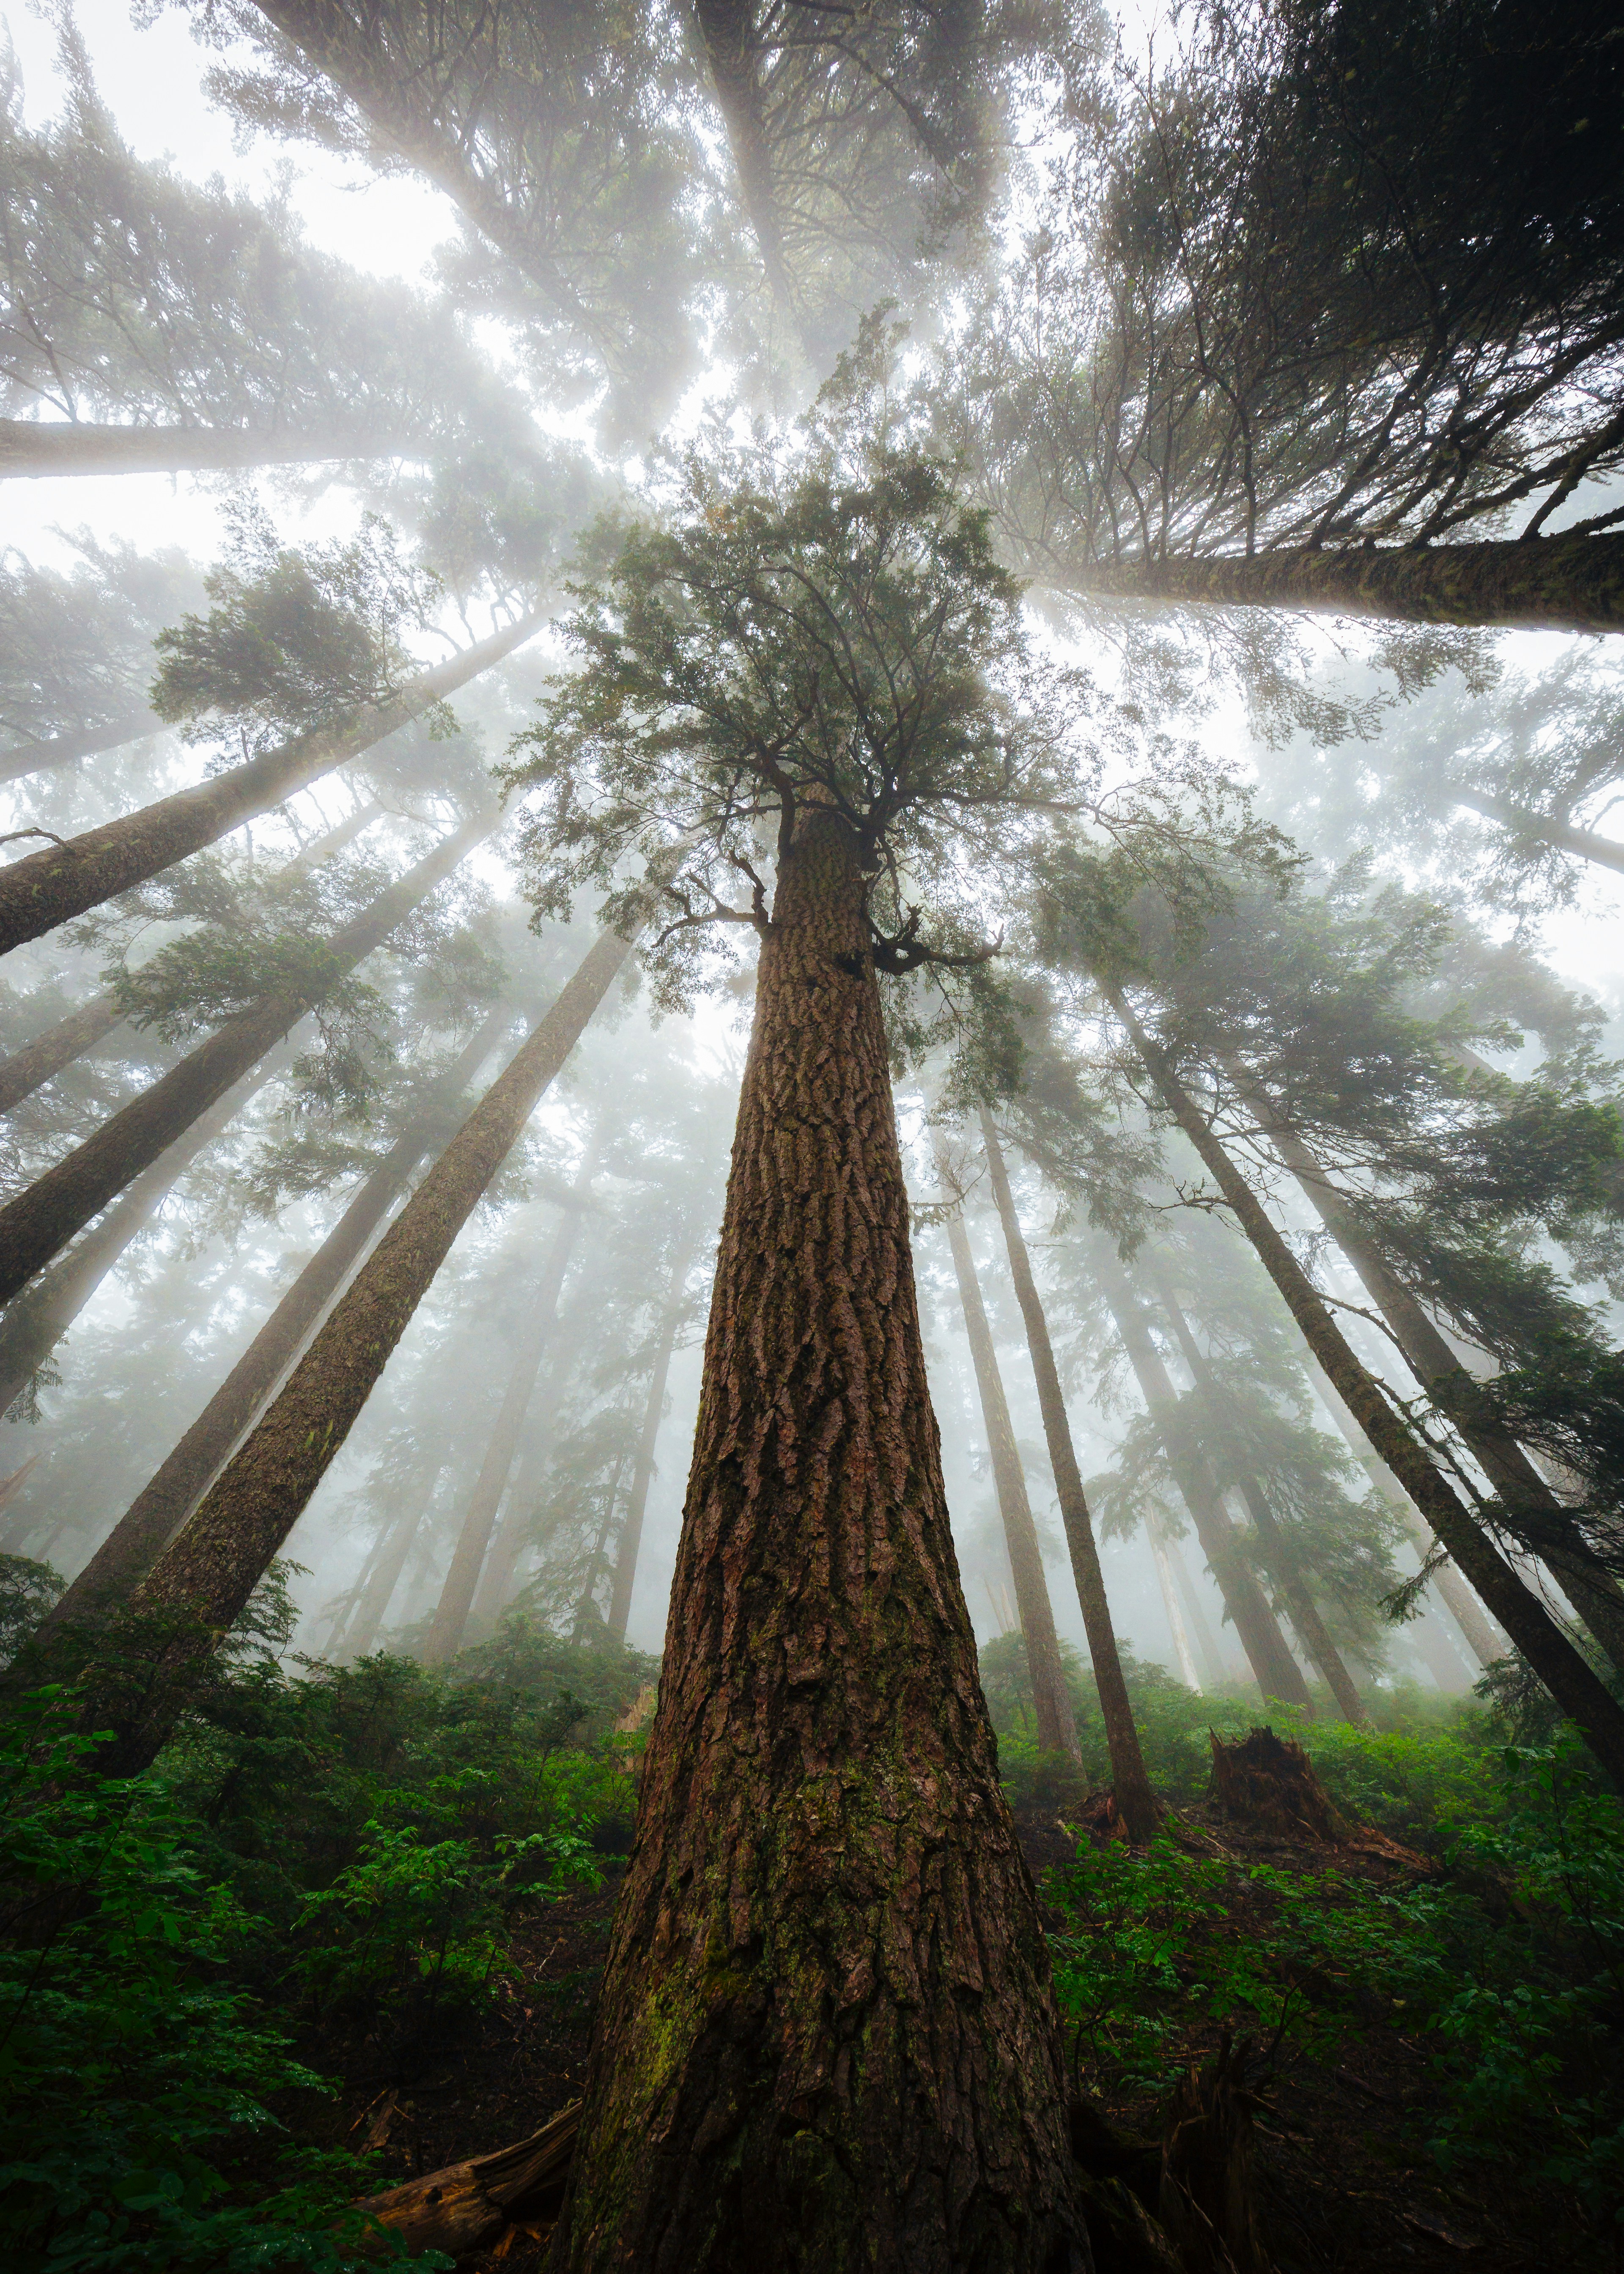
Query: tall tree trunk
[826,2036]
[162,1505]
[450,1622]
[642,1474]
[1551,583]
[40,1222]
[207,1574]
[357,1630]
[1591,1588]
[43,448]
[53,750]
[1605,852]
[1174,1614]
[1129,1779]
[1273,1669]
[586,1610]
[1580,1693]
[727,29]
[513,1534]
[1212,1661]
[1050,1703]
[48,888]
[28,1068]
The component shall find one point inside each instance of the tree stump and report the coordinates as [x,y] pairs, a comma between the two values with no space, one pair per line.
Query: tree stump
[1269,1784]
[1208,2198]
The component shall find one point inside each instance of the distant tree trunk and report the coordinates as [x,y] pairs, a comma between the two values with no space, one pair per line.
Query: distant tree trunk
[1551,583]
[513,1534]
[1175,1615]
[1580,1693]
[48,888]
[40,1221]
[357,1631]
[1592,1589]
[162,1505]
[39,757]
[1057,1724]
[727,29]
[1129,1780]
[1273,1669]
[209,1573]
[636,1507]
[826,2035]
[1212,1661]
[47,448]
[1605,852]
[445,1636]
[32,1065]
[587,1612]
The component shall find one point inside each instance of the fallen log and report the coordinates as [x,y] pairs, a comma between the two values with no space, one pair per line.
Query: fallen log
[463,2207]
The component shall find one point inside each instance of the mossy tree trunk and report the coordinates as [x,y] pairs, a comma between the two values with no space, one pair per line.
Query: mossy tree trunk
[826,2036]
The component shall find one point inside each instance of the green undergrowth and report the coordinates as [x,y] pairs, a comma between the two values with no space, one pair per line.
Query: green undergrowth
[322,1854]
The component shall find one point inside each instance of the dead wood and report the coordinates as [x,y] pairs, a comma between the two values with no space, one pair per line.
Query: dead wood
[1208,2198]
[463,2206]
[1270,1784]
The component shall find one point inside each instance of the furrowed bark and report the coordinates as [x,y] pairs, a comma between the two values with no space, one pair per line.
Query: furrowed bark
[1273,1669]
[1055,1721]
[1129,1779]
[643,1473]
[162,1505]
[1552,583]
[450,1622]
[44,449]
[356,1628]
[46,889]
[62,749]
[1581,1696]
[40,1221]
[826,2036]
[207,1574]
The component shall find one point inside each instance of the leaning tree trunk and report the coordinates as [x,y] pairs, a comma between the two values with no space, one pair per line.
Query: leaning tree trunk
[40,1221]
[1051,1704]
[1579,1692]
[162,1505]
[44,449]
[1275,1671]
[727,29]
[47,889]
[826,2036]
[28,1069]
[41,756]
[1552,583]
[1562,836]
[630,1543]
[356,1627]
[204,1577]
[1129,1779]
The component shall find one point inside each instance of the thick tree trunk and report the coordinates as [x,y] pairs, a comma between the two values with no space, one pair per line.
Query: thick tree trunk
[40,1222]
[1052,1705]
[357,1630]
[1605,852]
[1550,584]
[48,888]
[1129,1780]
[209,1573]
[43,448]
[162,1505]
[826,2036]
[1273,1669]
[631,1544]
[40,757]
[28,1069]
[450,1622]
[1580,1693]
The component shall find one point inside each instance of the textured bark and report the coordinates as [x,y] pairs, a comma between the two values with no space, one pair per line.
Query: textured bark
[1553,584]
[1129,1779]
[209,1573]
[28,1069]
[463,2207]
[356,1629]
[1055,1721]
[450,1620]
[826,2036]
[162,1505]
[62,749]
[1581,1696]
[643,1473]
[44,449]
[1604,851]
[1273,1669]
[48,888]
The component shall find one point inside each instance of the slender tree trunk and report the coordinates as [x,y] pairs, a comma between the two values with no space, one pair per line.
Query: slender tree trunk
[42,449]
[1605,852]
[1554,1535]
[209,1573]
[28,1069]
[40,1222]
[1174,1614]
[586,1610]
[727,29]
[48,888]
[1551,583]
[1050,1703]
[826,2036]
[642,1474]
[1129,1779]
[1273,1669]
[162,1507]
[513,1534]
[358,1629]
[1580,1693]
[1212,1657]
[444,1637]
[40,757]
